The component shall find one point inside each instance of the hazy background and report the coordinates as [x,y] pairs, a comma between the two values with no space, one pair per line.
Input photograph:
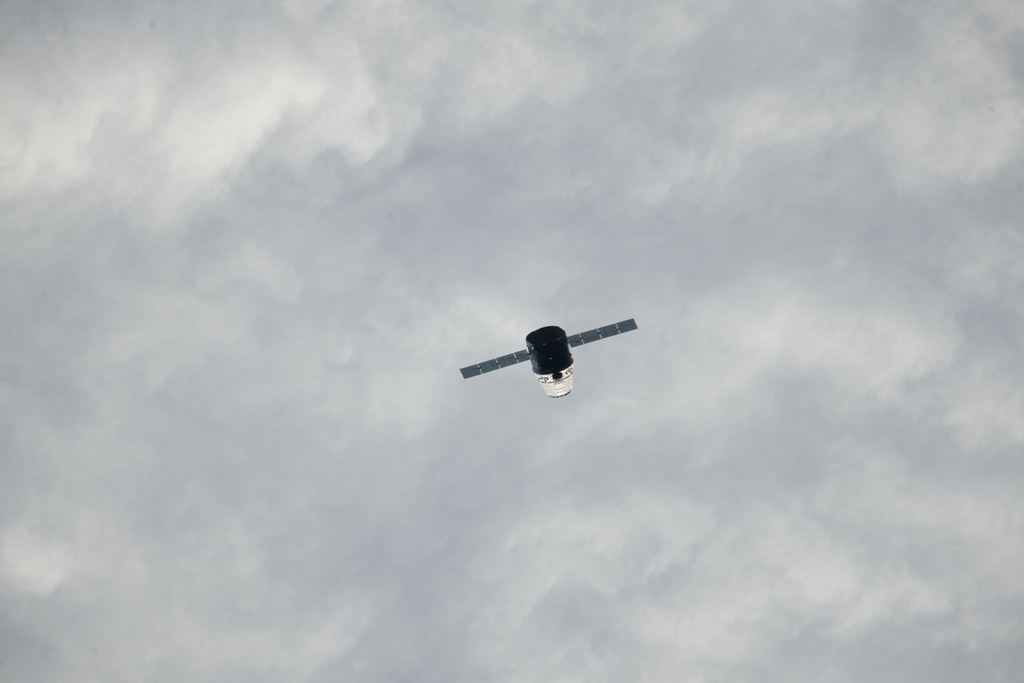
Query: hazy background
[246,247]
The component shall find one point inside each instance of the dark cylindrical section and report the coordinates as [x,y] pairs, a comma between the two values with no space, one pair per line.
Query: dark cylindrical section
[549,350]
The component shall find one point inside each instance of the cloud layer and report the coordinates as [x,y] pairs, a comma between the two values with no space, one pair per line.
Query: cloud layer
[246,248]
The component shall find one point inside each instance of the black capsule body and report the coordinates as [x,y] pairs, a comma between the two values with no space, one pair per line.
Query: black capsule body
[549,350]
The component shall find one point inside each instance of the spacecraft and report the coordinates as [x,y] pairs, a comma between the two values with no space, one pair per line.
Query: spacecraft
[547,349]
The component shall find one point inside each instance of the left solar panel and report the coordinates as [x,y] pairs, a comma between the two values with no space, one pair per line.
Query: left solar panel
[495,364]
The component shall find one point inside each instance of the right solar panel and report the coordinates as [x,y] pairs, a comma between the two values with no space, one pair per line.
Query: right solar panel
[601,332]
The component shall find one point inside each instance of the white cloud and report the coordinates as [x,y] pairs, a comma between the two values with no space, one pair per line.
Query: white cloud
[239,447]
[954,111]
[945,108]
[987,407]
[727,350]
[32,563]
[871,346]
[142,121]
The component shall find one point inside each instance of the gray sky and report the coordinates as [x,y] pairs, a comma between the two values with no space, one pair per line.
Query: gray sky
[247,246]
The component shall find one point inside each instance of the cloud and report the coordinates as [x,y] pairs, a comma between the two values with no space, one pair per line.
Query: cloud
[958,112]
[246,250]
[32,564]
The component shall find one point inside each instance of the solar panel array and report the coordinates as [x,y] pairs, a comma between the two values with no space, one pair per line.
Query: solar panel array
[524,356]
[496,363]
[601,333]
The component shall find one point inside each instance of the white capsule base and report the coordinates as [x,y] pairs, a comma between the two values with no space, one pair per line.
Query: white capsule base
[557,388]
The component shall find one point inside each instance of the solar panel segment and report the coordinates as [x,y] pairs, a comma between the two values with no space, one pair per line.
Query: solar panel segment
[495,363]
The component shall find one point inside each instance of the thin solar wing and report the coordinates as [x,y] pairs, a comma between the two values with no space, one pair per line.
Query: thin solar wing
[495,364]
[602,332]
